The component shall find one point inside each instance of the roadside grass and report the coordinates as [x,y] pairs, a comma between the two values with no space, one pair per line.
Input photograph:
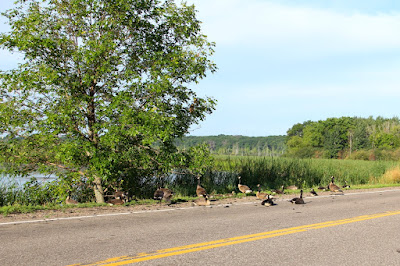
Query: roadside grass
[17,208]
[221,181]
[391,176]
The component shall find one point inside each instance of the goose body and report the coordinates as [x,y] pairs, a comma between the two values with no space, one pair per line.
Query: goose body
[268,202]
[202,201]
[200,191]
[163,194]
[298,200]
[70,201]
[116,201]
[333,187]
[292,187]
[346,185]
[313,193]
[323,188]
[243,188]
[119,194]
[260,195]
[277,191]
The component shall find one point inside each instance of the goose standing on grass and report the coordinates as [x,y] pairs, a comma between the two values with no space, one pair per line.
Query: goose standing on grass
[200,191]
[277,191]
[243,188]
[298,200]
[70,201]
[313,193]
[202,201]
[333,187]
[268,202]
[260,195]
[346,185]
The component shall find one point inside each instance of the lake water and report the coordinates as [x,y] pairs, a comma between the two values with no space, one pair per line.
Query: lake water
[20,181]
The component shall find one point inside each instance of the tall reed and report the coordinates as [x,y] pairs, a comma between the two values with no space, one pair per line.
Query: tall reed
[273,172]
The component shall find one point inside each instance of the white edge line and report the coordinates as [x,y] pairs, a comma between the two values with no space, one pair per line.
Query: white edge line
[182,208]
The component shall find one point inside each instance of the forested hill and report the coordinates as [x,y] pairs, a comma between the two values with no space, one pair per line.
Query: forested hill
[346,137]
[238,145]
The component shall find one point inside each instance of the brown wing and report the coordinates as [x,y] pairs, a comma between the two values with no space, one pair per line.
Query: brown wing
[334,188]
[167,192]
[200,191]
[261,195]
[243,188]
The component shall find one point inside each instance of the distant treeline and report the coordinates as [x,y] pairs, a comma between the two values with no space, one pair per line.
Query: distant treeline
[340,138]
[346,137]
[238,145]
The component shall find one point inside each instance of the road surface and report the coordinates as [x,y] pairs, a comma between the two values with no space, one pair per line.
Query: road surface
[350,229]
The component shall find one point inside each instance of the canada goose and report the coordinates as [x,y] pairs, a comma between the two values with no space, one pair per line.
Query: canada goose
[260,195]
[70,201]
[323,188]
[119,194]
[200,191]
[268,201]
[168,194]
[202,201]
[313,193]
[298,200]
[163,194]
[346,185]
[117,201]
[158,195]
[243,188]
[292,187]
[277,191]
[333,187]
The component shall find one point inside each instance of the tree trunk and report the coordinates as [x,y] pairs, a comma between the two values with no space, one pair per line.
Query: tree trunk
[98,190]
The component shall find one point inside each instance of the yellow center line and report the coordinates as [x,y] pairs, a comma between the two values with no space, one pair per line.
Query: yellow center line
[162,253]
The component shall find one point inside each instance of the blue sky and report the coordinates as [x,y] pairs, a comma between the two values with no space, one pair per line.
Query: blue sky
[286,62]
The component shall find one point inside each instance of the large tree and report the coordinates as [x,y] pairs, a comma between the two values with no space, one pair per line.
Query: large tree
[104,88]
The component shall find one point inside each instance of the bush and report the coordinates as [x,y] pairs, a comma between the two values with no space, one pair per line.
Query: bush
[360,155]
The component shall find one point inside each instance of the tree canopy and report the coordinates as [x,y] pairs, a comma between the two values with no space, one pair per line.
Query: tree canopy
[343,137]
[103,91]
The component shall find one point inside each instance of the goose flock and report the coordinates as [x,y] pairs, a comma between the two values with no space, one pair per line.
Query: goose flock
[203,199]
[266,199]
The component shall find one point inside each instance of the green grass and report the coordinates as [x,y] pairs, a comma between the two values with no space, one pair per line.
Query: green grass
[368,186]
[274,172]
[269,172]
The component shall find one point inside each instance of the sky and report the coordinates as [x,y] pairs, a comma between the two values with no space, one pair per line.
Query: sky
[286,62]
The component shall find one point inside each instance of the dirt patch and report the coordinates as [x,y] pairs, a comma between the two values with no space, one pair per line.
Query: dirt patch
[92,211]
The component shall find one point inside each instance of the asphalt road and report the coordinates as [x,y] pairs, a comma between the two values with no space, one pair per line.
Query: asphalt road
[350,229]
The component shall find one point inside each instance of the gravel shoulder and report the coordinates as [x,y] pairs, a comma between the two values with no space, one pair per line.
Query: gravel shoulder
[93,211]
